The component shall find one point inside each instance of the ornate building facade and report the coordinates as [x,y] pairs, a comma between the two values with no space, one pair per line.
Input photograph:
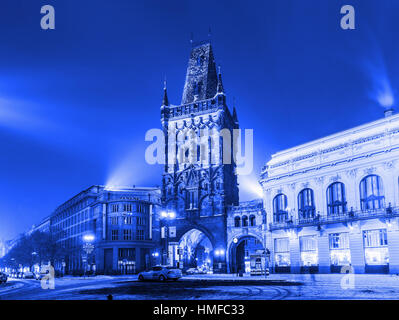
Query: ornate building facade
[334,202]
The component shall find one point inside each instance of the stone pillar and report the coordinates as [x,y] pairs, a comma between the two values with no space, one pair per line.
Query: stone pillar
[323,253]
[393,247]
[295,254]
[357,250]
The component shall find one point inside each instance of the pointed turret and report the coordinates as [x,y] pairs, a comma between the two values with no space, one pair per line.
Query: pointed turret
[235,118]
[165,101]
[201,79]
[220,88]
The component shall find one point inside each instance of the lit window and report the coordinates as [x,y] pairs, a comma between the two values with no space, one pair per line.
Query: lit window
[336,200]
[371,193]
[308,245]
[306,204]
[282,252]
[280,212]
[376,247]
[339,249]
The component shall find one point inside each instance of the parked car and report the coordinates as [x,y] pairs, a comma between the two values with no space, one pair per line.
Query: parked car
[28,275]
[161,273]
[3,278]
[192,271]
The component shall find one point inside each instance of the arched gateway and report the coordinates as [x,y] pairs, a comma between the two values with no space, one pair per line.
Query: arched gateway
[247,254]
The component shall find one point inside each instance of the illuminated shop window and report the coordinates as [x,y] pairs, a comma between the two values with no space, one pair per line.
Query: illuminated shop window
[376,247]
[371,193]
[336,199]
[339,249]
[308,245]
[282,252]
[280,212]
[306,204]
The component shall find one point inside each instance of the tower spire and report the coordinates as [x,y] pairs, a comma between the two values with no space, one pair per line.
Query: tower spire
[220,88]
[165,100]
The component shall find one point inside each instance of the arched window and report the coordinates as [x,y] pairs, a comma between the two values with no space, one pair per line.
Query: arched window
[237,222]
[280,212]
[336,199]
[306,206]
[371,193]
[244,221]
[252,221]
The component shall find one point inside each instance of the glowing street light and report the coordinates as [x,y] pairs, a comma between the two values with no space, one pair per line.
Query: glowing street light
[88,238]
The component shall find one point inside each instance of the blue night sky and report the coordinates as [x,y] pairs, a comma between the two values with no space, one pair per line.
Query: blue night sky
[75,102]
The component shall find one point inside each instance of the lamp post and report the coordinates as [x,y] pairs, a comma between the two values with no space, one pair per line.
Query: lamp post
[219,254]
[88,248]
[166,216]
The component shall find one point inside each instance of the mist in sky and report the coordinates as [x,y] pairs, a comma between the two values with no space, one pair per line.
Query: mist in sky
[76,102]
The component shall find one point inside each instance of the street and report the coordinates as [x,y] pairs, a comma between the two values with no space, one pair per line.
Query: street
[223,287]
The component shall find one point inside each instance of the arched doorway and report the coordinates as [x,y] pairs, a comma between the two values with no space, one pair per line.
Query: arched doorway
[195,250]
[248,255]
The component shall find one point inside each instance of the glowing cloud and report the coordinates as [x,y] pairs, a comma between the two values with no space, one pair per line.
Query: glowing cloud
[249,184]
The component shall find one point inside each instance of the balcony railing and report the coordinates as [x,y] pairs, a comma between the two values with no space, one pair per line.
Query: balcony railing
[336,218]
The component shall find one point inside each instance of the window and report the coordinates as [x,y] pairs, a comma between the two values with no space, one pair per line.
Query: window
[280,212]
[244,221]
[339,249]
[127,207]
[140,221]
[237,222]
[114,220]
[308,245]
[336,199]
[114,235]
[306,204]
[115,208]
[191,199]
[127,253]
[376,247]
[127,234]
[371,193]
[252,220]
[140,234]
[128,220]
[282,252]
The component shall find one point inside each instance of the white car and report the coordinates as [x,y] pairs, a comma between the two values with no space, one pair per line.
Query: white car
[161,273]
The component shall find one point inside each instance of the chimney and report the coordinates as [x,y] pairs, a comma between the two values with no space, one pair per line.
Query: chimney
[389,112]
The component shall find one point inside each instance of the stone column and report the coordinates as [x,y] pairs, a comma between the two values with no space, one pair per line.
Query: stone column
[295,254]
[323,253]
[357,250]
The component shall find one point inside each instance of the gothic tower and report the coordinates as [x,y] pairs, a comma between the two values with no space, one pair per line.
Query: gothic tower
[200,190]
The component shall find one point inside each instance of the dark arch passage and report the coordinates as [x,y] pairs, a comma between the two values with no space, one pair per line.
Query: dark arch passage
[247,255]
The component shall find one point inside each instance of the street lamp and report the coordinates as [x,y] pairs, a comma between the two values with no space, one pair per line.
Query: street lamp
[165,216]
[88,248]
[219,254]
